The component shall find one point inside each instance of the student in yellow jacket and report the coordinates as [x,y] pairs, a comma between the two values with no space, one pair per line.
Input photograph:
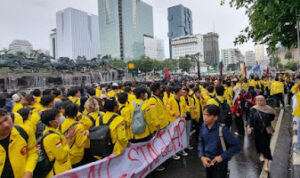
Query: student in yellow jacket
[277,90]
[57,146]
[296,88]
[74,96]
[220,93]
[140,93]
[81,137]
[131,96]
[158,111]
[17,98]
[92,113]
[22,154]
[177,106]
[117,126]
[125,112]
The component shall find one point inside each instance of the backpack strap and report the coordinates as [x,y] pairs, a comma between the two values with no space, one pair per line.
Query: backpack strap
[42,145]
[22,132]
[222,138]
[217,100]
[12,115]
[109,121]
[92,119]
[121,109]
[76,101]
[70,127]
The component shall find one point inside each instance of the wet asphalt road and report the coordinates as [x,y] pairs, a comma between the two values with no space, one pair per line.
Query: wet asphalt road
[245,164]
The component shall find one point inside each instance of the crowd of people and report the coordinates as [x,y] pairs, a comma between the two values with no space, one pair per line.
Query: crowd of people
[55,130]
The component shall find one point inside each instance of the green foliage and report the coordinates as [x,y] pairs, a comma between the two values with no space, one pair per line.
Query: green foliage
[20,54]
[119,64]
[171,64]
[275,61]
[185,64]
[270,21]
[288,55]
[291,66]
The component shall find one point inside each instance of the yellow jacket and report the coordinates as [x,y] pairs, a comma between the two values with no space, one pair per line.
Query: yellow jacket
[212,101]
[191,104]
[146,109]
[87,121]
[252,83]
[75,100]
[17,107]
[56,148]
[79,141]
[126,114]
[117,131]
[296,112]
[199,104]
[131,97]
[277,87]
[18,120]
[23,155]
[111,94]
[158,112]
[295,89]
[98,92]
[173,108]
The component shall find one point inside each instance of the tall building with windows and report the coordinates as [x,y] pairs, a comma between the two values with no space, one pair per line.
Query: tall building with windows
[211,48]
[154,48]
[250,58]
[77,34]
[123,25]
[259,52]
[231,58]
[180,23]
[188,45]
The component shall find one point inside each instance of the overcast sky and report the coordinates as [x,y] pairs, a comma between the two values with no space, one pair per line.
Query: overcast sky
[33,20]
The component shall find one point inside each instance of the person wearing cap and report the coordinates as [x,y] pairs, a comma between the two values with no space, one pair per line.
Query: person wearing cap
[114,91]
[17,98]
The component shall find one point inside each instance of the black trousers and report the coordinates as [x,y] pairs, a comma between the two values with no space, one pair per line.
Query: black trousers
[279,97]
[239,122]
[217,171]
[290,95]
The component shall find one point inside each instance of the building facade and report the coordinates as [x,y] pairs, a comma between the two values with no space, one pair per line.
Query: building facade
[123,25]
[211,48]
[259,52]
[52,40]
[77,34]
[231,58]
[20,45]
[154,48]
[188,45]
[180,23]
[282,54]
[250,58]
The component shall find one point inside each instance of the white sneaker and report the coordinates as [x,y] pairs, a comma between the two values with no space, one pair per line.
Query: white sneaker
[160,168]
[190,147]
[176,157]
[183,153]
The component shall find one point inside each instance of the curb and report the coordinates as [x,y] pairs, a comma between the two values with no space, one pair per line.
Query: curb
[273,143]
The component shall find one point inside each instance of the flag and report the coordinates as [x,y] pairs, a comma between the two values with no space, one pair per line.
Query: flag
[221,68]
[267,71]
[244,70]
[167,75]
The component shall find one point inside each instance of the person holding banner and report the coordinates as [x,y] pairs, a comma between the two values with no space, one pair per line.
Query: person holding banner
[216,144]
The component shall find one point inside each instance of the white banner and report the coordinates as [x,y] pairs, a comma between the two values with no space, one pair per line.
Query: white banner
[139,159]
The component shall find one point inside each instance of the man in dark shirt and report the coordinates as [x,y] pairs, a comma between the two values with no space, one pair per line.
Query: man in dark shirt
[210,150]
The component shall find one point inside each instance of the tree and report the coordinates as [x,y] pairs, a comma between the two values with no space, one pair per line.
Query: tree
[4,51]
[157,65]
[291,66]
[270,21]
[21,54]
[171,64]
[118,64]
[275,61]
[288,55]
[185,64]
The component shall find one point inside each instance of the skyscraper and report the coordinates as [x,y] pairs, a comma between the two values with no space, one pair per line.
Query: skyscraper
[123,25]
[180,23]
[77,34]
[259,52]
[250,58]
[211,48]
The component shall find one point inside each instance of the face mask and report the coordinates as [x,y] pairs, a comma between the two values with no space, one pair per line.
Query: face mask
[61,120]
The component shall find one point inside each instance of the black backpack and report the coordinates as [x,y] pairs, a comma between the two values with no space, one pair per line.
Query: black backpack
[40,127]
[92,119]
[44,165]
[100,139]
[225,116]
